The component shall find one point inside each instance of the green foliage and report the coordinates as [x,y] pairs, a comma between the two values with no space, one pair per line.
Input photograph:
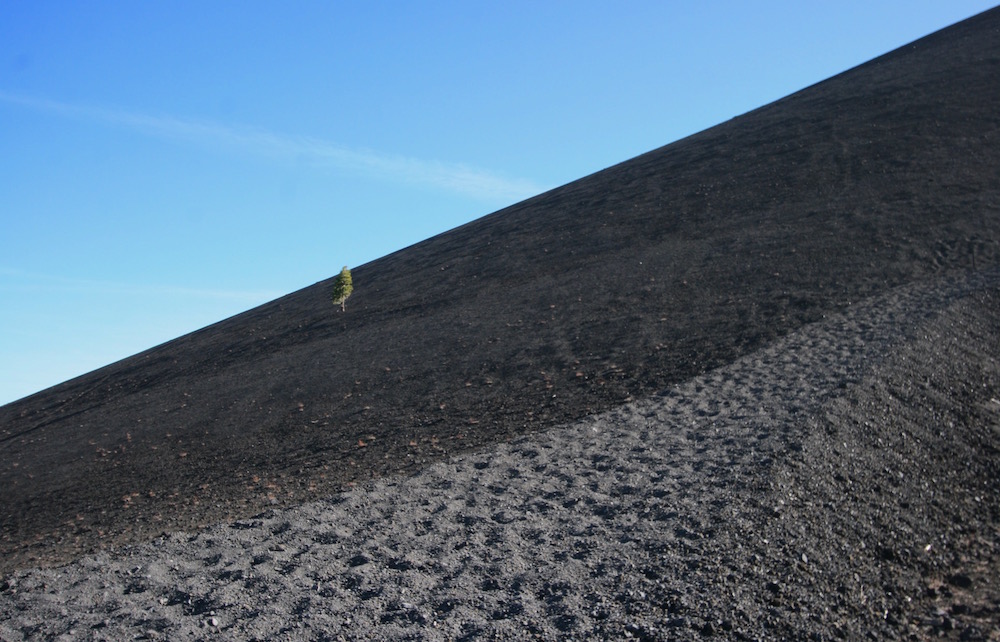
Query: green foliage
[342,288]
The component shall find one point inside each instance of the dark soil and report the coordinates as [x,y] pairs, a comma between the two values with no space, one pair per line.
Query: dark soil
[603,292]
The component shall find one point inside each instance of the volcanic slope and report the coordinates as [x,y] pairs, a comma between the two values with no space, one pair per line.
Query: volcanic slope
[605,290]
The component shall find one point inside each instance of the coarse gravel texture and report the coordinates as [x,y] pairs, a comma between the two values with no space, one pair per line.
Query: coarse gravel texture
[743,386]
[839,484]
[603,291]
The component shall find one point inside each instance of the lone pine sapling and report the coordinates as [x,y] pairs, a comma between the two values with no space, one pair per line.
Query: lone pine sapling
[342,288]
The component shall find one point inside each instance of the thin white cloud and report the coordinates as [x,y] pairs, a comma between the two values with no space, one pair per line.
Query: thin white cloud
[458,178]
[13,280]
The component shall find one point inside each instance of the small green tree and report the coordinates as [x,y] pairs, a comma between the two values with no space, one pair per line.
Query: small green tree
[342,288]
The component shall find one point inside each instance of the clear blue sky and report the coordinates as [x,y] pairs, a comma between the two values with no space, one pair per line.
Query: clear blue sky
[164,165]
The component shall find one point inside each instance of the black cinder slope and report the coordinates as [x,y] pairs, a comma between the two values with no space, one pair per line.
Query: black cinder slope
[609,288]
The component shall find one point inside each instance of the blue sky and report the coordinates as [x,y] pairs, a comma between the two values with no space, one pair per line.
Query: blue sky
[165,165]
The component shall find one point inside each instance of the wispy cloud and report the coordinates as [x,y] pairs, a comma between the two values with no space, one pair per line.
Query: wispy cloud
[13,280]
[458,178]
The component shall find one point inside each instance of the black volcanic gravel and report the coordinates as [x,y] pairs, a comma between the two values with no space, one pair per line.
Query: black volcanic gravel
[667,270]
[840,484]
